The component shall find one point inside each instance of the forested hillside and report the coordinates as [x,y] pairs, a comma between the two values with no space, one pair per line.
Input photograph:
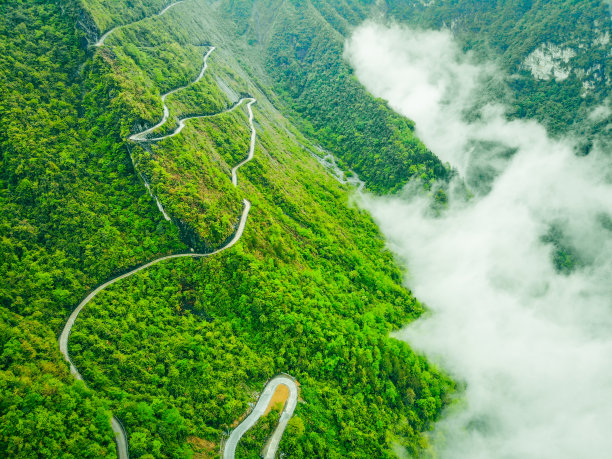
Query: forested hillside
[178,351]
[73,213]
[300,44]
[557,54]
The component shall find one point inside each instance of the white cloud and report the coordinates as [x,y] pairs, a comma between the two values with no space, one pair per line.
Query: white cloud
[533,345]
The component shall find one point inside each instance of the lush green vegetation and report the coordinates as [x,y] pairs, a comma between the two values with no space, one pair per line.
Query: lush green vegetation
[302,51]
[178,351]
[512,30]
[72,207]
[299,297]
[42,410]
[109,14]
[325,294]
[254,439]
[300,43]
[73,213]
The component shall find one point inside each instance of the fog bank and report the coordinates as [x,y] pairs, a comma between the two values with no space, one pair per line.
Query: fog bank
[518,278]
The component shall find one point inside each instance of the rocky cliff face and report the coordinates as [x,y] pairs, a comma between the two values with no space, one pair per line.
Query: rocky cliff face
[556,56]
[582,57]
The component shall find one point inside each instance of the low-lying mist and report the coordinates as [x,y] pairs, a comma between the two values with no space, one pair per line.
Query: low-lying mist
[518,278]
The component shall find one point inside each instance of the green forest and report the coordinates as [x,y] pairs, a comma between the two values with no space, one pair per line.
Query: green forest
[301,44]
[180,351]
[301,49]
[508,31]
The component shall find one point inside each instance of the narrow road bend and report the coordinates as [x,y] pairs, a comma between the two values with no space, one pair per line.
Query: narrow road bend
[120,433]
[269,451]
[103,38]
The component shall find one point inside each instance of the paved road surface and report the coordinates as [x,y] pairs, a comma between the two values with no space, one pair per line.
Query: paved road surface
[100,42]
[120,434]
[142,136]
[251,147]
[271,447]
[182,123]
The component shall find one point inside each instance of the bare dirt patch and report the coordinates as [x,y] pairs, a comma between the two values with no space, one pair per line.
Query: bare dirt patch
[280,396]
[202,448]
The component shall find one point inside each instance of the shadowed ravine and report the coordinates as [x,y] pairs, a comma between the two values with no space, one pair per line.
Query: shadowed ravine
[230,446]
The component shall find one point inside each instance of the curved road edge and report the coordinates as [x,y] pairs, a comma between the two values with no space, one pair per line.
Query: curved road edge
[120,434]
[251,146]
[141,136]
[182,123]
[100,42]
[271,447]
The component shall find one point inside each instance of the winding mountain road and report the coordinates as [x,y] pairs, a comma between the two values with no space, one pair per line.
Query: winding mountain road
[120,434]
[259,410]
[142,136]
[100,42]
[252,145]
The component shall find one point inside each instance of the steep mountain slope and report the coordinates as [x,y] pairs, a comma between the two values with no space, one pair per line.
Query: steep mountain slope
[178,350]
[73,212]
[300,46]
[558,54]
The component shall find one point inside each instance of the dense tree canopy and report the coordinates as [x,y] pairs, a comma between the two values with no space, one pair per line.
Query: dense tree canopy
[178,351]
[508,31]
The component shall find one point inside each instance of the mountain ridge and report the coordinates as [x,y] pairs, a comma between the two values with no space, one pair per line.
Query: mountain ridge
[310,265]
